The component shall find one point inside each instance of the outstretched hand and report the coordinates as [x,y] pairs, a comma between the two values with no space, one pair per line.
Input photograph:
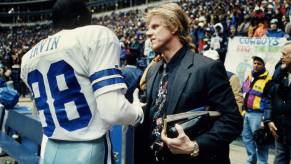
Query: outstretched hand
[137,102]
[136,98]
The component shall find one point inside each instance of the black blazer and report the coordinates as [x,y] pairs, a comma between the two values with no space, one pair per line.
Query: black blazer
[280,111]
[199,81]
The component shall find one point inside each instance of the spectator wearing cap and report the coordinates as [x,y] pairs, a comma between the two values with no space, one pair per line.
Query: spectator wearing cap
[274,31]
[219,41]
[256,101]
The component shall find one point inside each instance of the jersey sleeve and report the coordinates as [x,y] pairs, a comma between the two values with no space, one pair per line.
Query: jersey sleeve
[103,61]
[23,70]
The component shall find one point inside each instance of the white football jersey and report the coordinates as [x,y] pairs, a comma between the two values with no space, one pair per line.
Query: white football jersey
[66,72]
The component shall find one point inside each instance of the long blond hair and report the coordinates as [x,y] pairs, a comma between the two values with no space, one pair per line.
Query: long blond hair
[174,17]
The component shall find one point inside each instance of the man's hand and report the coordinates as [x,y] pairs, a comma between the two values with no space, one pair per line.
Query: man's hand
[179,145]
[273,129]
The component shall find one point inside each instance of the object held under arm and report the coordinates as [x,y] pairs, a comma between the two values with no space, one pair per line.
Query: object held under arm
[193,121]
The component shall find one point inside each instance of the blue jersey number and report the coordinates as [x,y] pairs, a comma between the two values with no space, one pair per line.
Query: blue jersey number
[69,95]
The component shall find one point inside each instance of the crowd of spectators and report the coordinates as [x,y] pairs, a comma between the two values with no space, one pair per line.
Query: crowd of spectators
[213,22]
[14,43]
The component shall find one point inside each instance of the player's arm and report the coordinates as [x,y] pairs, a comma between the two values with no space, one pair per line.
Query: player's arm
[108,85]
[115,109]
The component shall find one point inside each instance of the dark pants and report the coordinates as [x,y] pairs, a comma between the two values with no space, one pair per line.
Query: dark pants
[282,153]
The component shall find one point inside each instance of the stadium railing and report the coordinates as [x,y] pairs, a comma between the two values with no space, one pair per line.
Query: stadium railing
[29,134]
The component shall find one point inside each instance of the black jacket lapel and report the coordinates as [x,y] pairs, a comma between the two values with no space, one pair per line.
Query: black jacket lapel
[151,76]
[180,81]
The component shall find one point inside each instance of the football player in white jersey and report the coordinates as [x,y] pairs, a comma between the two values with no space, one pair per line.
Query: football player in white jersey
[77,88]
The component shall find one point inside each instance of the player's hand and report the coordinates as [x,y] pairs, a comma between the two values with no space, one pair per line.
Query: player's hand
[137,102]
[273,129]
[136,99]
[179,145]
